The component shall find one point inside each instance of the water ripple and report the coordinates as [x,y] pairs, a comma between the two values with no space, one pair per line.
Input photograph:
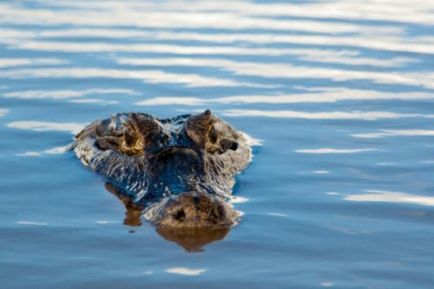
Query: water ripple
[322,95]
[338,95]
[359,115]
[335,150]
[3,111]
[185,271]
[64,94]
[391,197]
[70,127]
[151,76]
[395,132]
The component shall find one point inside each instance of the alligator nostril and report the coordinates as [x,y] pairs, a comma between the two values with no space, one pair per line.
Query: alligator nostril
[179,216]
[227,144]
[196,200]
[234,146]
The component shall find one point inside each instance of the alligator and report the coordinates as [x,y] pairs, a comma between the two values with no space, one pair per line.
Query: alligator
[177,172]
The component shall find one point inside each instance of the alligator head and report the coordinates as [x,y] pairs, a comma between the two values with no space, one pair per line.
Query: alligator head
[179,172]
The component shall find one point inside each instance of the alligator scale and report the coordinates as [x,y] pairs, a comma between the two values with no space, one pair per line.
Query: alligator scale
[177,172]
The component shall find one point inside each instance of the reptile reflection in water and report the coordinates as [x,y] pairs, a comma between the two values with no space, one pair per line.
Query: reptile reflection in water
[192,240]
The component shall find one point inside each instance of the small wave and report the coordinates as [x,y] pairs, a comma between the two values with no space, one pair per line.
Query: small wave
[70,127]
[185,271]
[335,151]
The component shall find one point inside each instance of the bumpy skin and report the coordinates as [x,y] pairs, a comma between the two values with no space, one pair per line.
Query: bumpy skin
[179,172]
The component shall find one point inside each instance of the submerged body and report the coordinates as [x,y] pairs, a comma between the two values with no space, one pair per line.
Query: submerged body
[179,172]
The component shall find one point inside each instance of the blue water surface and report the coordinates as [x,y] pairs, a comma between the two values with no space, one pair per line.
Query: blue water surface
[338,96]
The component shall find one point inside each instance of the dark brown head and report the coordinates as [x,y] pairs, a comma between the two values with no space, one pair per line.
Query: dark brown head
[179,169]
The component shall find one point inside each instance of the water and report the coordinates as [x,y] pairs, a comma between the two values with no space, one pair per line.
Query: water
[339,95]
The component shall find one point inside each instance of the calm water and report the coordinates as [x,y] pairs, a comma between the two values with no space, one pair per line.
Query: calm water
[338,94]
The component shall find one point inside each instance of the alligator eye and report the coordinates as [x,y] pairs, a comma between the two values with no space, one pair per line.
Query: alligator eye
[131,138]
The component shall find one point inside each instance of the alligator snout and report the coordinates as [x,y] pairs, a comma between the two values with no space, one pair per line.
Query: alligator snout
[196,210]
